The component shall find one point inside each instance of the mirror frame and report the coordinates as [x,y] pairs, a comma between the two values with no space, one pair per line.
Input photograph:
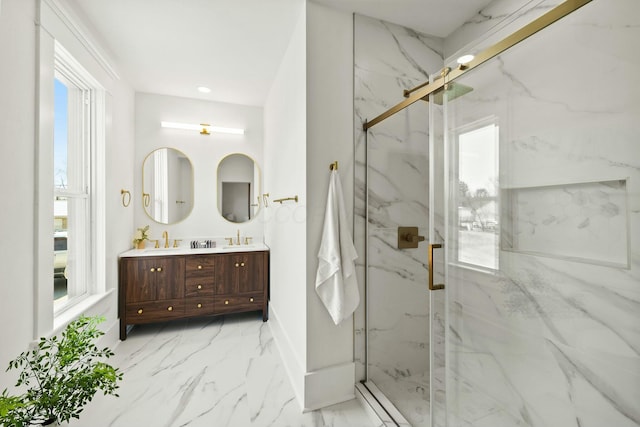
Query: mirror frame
[146,196]
[257,192]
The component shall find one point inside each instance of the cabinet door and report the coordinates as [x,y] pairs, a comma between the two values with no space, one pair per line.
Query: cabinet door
[250,272]
[169,273]
[139,279]
[225,274]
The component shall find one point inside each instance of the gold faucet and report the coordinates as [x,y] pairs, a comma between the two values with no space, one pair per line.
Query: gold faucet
[165,235]
[238,241]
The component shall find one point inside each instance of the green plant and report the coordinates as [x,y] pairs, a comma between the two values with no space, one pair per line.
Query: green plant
[61,375]
[141,235]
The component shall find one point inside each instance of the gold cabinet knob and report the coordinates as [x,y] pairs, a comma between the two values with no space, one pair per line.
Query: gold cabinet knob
[242,264]
[140,311]
[226,302]
[237,265]
[153,269]
[199,305]
[199,286]
[199,267]
[250,299]
[170,308]
[159,269]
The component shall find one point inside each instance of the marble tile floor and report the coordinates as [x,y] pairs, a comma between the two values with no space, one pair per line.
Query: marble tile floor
[222,371]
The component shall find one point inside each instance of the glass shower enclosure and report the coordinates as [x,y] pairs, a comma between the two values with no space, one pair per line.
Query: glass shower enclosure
[523,177]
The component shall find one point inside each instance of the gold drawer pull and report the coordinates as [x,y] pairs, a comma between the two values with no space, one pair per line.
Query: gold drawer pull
[226,302]
[250,299]
[140,311]
[242,264]
[199,305]
[199,267]
[159,269]
[170,308]
[153,269]
[237,265]
[199,286]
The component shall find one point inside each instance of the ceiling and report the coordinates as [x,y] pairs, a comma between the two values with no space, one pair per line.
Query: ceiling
[233,47]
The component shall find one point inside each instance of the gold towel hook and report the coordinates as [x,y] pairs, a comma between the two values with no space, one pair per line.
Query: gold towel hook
[333,166]
[126,198]
[146,199]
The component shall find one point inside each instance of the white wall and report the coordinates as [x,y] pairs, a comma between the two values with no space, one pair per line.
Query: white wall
[18,128]
[204,151]
[285,228]
[329,138]
[17,115]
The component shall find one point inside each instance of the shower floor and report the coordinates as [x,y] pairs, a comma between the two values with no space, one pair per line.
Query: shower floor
[410,396]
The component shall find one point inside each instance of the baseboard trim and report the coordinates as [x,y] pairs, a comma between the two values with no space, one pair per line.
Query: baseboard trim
[328,386]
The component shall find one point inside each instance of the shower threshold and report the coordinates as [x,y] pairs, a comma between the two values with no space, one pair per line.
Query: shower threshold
[383,408]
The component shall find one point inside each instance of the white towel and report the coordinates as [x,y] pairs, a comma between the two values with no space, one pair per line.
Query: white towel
[336,281]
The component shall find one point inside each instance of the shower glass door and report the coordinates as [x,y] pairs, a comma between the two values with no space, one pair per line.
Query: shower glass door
[398,179]
[543,229]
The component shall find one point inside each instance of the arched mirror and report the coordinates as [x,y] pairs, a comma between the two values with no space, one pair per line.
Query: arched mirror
[167,185]
[238,188]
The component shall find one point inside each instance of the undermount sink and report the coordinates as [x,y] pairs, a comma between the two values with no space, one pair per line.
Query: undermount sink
[239,247]
[162,250]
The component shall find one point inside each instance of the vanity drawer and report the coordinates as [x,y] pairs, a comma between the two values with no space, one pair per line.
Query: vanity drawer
[235,303]
[154,311]
[199,286]
[200,265]
[196,306]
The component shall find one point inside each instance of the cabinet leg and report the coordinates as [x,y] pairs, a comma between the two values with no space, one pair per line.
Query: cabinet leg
[123,330]
[265,313]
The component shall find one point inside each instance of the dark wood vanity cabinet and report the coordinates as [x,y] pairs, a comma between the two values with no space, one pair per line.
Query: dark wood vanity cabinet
[161,288]
[240,279]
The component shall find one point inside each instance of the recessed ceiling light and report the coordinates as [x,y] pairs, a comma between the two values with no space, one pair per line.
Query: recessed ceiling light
[203,89]
[465,59]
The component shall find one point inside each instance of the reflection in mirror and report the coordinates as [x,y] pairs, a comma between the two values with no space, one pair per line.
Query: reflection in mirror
[167,185]
[238,188]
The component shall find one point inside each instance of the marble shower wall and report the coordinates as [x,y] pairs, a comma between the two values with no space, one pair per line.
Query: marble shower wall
[388,59]
[552,339]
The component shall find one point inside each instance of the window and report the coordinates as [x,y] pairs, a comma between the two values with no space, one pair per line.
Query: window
[477,199]
[73,189]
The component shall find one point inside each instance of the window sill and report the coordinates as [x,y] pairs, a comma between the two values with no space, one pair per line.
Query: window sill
[62,319]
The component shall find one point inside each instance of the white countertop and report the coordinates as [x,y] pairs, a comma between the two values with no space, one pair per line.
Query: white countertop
[186,250]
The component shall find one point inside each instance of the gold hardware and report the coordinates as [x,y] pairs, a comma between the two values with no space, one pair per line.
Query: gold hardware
[170,308]
[126,198]
[408,237]
[237,265]
[140,311]
[247,240]
[238,241]
[242,264]
[157,245]
[555,14]
[199,286]
[265,198]
[286,199]
[226,302]
[204,130]
[333,166]
[146,199]
[230,240]
[175,243]
[153,269]
[433,287]
[199,267]
[199,305]
[159,269]
[250,299]
[165,236]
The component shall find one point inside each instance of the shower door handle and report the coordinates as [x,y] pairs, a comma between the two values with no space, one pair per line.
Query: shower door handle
[433,287]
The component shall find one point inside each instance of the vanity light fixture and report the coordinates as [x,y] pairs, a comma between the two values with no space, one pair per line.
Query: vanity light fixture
[203,128]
